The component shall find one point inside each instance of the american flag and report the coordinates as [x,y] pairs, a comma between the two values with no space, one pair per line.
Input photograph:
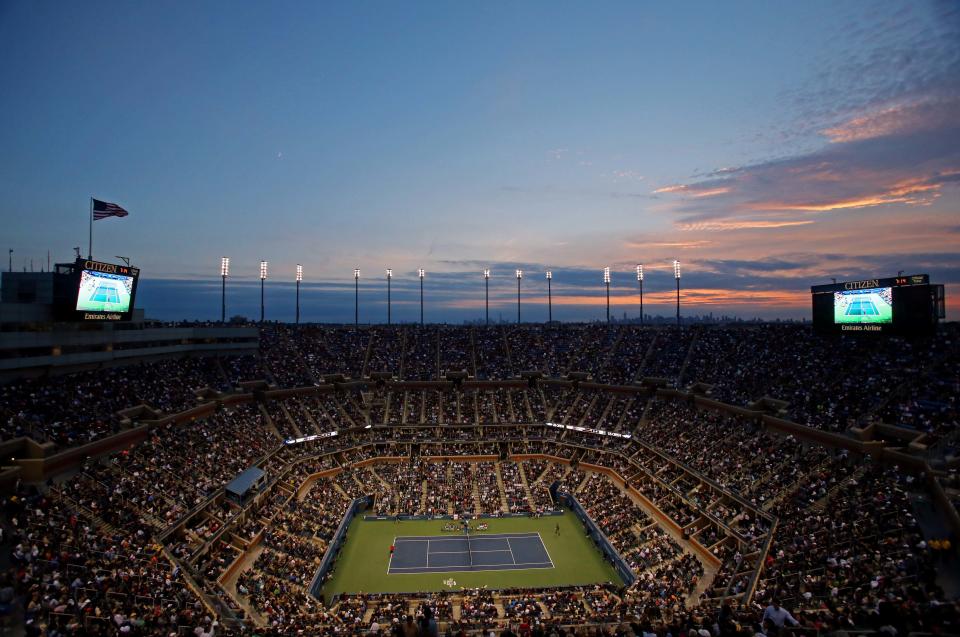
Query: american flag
[104,209]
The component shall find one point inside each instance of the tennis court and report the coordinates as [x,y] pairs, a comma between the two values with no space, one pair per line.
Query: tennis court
[862,307]
[445,554]
[105,294]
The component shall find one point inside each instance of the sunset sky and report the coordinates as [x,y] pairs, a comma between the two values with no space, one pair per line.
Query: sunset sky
[768,146]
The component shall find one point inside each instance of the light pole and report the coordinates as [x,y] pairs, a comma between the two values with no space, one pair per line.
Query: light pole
[519,277]
[606,282]
[263,277]
[549,297]
[640,281]
[389,276]
[224,271]
[676,275]
[486,298]
[421,272]
[356,298]
[299,279]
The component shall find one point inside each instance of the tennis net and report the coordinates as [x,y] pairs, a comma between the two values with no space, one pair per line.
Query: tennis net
[466,530]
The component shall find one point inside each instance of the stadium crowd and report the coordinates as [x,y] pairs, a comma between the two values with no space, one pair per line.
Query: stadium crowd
[829,383]
[143,541]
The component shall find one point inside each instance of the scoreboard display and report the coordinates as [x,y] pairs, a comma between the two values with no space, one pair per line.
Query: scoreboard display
[903,305]
[97,291]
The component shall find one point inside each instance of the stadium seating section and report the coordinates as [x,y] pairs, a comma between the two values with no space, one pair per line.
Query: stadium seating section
[752,463]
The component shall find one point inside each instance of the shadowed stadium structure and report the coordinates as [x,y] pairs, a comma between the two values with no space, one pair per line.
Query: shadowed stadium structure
[647,478]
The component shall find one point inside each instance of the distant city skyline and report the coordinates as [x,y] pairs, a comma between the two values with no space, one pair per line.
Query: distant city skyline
[768,147]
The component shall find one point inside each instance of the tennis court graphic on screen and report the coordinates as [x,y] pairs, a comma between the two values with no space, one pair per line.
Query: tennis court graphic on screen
[104,292]
[873,305]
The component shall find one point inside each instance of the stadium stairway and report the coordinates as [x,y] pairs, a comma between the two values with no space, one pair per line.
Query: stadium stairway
[645,414]
[477,505]
[498,604]
[588,409]
[304,367]
[229,584]
[583,483]
[221,372]
[450,481]
[544,611]
[386,486]
[709,571]
[403,407]
[601,420]
[267,419]
[340,490]
[359,483]
[802,479]
[686,359]
[307,416]
[290,419]
[627,413]
[526,485]
[772,472]
[504,505]
[651,348]
[368,614]
[820,505]
[74,507]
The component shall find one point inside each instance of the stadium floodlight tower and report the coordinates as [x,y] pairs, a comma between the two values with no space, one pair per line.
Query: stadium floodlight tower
[606,282]
[224,272]
[421,272]
[519,278]
[356,298]
[676,275]
[299,279]
[486,296]
[389,276]
[263,277]
[549,297]
[640,281]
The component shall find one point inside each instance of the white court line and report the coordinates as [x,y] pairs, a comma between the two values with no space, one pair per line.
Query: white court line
[546,550]
[499,536]
[486,567]
[459,552]
[482,536]
[390,561]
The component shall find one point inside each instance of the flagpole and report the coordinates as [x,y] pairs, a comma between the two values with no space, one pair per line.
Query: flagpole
[90,245]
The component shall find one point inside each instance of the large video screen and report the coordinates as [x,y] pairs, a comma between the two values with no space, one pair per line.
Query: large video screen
[104,292]
[870,306]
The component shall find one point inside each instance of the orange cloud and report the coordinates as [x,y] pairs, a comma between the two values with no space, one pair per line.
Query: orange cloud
[912,191]
[683,245]
[895,120]
[693,190]
[673,188]
[741,225]
[885,122]
[711,192]
[690,297]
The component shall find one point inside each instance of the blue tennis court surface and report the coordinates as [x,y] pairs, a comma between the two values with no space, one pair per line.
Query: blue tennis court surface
[105,294]
[446,554]
[862,307]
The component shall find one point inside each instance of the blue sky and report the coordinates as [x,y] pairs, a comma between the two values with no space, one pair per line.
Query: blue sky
[769,146]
